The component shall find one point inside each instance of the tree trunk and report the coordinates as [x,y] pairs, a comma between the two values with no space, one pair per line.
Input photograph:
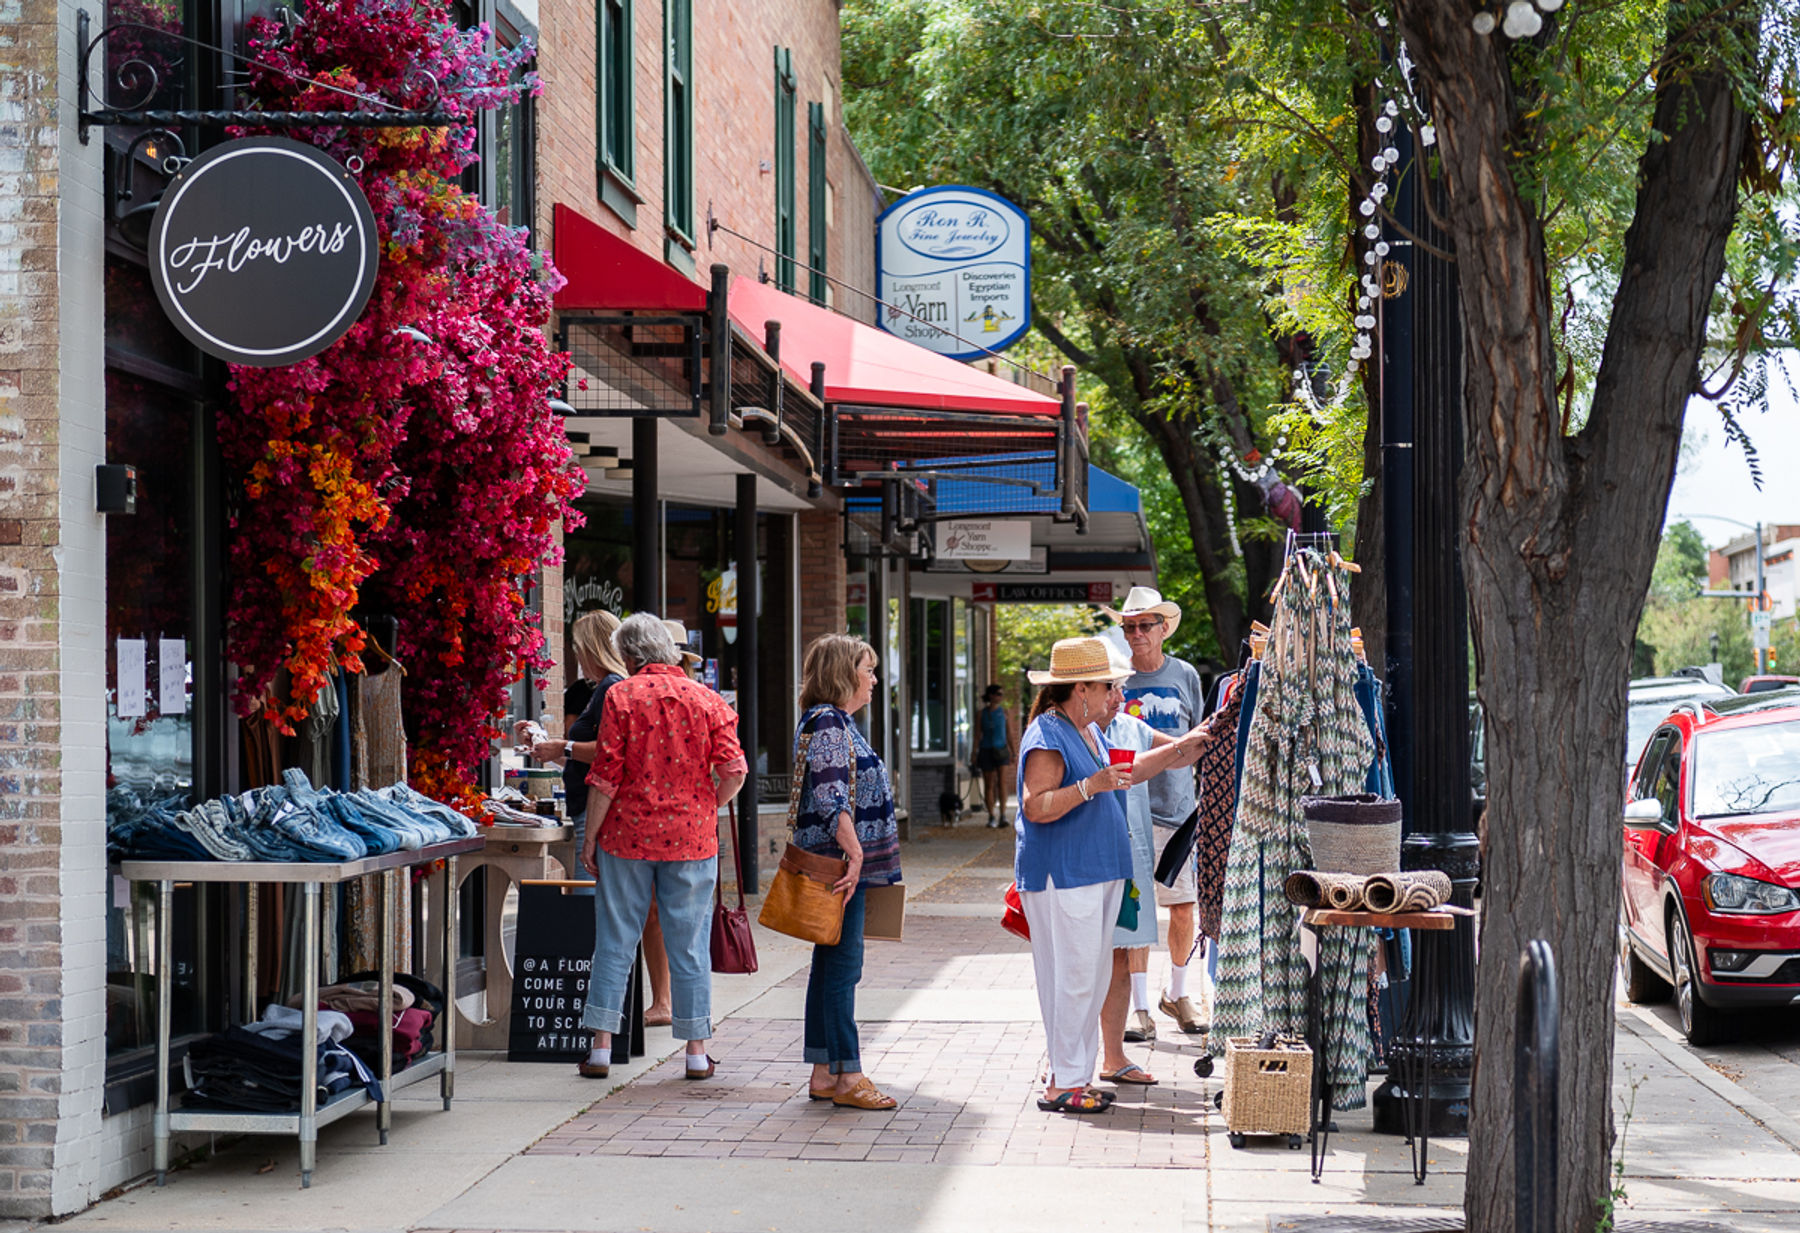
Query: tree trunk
[1561,538]
[1205,508]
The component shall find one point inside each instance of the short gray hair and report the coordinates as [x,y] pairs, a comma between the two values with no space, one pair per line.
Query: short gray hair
[643,638]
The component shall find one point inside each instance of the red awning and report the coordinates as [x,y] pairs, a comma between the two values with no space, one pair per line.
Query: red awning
[865,366]
[607,273]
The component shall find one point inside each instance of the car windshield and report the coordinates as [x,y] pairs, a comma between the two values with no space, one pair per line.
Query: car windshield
[1747,770]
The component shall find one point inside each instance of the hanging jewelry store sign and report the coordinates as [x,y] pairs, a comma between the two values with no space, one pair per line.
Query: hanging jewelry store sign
[263,251]
[955,270]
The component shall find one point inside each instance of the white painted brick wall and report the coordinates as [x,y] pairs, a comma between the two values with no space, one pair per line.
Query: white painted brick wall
[84,1141]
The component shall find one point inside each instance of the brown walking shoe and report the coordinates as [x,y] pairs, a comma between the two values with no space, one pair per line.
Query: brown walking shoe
[1183,1011]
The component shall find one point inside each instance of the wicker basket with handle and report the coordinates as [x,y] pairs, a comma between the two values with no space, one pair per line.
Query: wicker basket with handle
[1268,1091]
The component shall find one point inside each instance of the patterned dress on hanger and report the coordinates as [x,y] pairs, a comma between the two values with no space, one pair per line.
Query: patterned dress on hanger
[1306,722]
[1218,806]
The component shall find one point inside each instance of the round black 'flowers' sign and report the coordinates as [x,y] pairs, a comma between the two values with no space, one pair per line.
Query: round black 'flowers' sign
[263,251]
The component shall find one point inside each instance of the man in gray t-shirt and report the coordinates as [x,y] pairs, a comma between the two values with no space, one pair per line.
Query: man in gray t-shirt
[1165,693]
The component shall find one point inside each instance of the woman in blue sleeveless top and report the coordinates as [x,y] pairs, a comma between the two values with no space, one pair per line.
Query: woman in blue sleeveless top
[996,752]
[1073,856]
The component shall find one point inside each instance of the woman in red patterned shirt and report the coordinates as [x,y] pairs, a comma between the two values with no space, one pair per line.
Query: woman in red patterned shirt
[668,760]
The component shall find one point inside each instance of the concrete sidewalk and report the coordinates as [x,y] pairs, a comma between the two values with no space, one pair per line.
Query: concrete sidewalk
[950,1027]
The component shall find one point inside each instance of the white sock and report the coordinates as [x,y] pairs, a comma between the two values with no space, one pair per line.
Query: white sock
[698,1061]
[1177,982]
[599,1057]
[1140,991]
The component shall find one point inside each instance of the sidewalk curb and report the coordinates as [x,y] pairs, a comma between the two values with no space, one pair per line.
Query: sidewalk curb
[1668,1044]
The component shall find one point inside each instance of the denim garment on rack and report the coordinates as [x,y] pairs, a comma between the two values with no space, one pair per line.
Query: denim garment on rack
[1252,675]
[1380,779]
[458,825]
[378,836]
[312,826]
[411,832]
[256,812]
[212,828]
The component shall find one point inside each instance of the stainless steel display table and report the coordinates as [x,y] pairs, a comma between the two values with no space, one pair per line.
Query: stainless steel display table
[310,877]
[513,854]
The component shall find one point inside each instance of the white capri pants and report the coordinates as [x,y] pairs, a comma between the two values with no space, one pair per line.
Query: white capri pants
[1071,951]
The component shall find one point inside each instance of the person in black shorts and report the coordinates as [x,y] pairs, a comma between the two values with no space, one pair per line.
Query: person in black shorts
[997,750]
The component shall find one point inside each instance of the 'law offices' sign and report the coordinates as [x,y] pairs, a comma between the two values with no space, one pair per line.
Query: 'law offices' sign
[263,251]
[955,270]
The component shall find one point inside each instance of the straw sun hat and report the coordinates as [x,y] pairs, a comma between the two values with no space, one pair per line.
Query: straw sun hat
[1079,659]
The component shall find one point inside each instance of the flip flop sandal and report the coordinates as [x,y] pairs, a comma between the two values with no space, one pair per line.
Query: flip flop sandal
[1075,1100]
[865,1096]
[814,1093]
[1132,1073]
[712,1064]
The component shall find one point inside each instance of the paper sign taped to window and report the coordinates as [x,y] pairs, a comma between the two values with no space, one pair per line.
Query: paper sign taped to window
[171,672]
[130,688]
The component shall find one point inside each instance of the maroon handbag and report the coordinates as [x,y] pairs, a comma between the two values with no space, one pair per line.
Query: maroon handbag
[733,947]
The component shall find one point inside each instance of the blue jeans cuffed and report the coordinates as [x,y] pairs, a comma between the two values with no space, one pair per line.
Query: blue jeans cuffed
[684,893]
[831,1036]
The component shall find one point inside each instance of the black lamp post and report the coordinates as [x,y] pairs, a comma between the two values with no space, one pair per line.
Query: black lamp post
[1427,641]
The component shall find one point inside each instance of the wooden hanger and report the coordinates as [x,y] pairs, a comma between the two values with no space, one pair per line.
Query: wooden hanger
[383,652]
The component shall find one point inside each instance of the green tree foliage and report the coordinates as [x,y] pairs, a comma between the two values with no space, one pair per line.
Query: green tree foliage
[1026,634]
[1115,128]
[1680,564]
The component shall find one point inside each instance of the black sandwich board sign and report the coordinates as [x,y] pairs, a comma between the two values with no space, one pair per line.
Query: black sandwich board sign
[263,251]
[551,953]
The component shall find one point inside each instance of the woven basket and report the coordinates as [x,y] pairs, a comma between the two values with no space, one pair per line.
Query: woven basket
[1353,834]
[1268,1091]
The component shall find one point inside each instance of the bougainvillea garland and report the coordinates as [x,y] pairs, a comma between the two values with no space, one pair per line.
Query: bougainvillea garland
[414,467]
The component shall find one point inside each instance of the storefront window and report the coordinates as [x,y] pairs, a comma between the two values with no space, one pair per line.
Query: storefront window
[964,685]
[928,644]
[701,589]
[153,424]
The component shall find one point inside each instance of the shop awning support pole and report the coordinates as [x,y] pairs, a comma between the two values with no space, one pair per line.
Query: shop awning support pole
[719,349]
[772,344]
[827,464]
[646,522]
[1065,457]
[749,665]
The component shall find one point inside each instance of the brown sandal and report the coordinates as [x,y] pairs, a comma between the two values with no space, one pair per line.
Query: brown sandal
[865,1096]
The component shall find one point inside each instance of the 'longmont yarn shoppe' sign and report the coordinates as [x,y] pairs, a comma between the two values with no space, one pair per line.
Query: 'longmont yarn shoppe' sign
[263,251]
[954,269]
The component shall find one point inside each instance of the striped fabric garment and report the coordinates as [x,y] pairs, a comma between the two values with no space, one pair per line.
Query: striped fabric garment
[1306,721]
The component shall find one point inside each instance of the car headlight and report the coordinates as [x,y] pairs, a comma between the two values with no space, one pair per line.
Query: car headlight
[1727,892]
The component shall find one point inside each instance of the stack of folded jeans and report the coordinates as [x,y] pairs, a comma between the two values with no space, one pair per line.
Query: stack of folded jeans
[258,1066]
[290,821]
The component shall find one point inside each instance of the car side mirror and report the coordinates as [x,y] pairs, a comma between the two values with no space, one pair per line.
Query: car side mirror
[1644,815]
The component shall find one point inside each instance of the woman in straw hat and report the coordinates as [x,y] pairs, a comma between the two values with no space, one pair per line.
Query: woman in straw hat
[1073,857]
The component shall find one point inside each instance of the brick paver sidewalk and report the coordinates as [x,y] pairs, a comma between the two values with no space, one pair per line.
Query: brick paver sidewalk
[968,1090]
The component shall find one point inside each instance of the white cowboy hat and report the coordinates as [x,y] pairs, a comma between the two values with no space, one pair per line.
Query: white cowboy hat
[678,632]
[1079,659]
[1142,600]
[1118,648]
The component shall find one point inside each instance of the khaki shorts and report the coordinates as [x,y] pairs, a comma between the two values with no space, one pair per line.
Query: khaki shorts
[1184,890]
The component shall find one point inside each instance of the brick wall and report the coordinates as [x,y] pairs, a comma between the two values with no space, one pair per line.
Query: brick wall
[822,573]
[30,831]
[734,128]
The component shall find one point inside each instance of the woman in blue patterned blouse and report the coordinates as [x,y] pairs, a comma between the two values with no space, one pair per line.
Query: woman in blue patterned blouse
[846,811]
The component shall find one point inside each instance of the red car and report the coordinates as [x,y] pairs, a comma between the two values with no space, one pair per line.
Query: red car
[1711,879]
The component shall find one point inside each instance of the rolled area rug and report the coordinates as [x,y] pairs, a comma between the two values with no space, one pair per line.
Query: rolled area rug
[1407,892]
[1338,891]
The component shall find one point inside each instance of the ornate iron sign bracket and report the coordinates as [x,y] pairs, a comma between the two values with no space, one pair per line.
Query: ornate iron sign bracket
[143,80]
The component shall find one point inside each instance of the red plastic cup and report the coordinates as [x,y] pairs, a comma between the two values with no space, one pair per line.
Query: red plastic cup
[1122,757]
